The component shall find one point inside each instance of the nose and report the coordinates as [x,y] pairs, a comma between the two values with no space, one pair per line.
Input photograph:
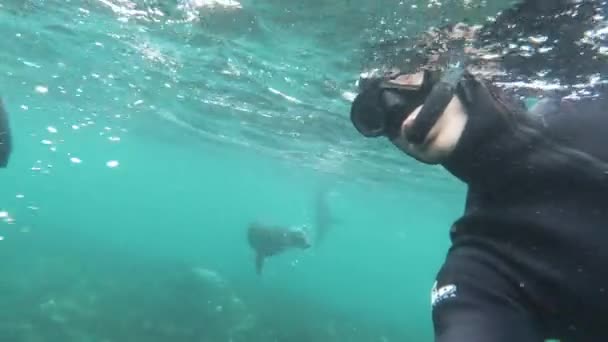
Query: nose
[408,123]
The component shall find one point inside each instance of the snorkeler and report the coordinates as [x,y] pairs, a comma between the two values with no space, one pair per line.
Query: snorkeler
[529,255]
[268,241]
[6,145]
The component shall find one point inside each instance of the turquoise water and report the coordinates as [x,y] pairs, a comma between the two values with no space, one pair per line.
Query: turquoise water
[148,135]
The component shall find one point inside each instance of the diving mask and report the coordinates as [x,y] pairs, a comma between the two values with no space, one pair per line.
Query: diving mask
[385,102]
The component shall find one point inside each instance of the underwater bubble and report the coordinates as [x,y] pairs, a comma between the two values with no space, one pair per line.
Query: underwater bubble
[3,214]
[46,142]
[112,163]
[41,89]
[1,238]
[19,196]
[538,39]
[113,138]
[75,160]
[349,96]
[30,64]
[51,129]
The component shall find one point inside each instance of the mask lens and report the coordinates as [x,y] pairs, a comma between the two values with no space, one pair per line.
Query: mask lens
[366,115]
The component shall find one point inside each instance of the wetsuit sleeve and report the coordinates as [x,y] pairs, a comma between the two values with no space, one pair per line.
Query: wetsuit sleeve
[581,124]
[6,145]
[504,143]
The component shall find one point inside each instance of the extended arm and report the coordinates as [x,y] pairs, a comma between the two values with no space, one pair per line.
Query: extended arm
[503,142]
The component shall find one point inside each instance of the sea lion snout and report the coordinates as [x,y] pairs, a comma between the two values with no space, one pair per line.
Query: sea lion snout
[300,239]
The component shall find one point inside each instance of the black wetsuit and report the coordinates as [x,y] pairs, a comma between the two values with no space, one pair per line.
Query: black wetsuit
[529,259]
[529,256]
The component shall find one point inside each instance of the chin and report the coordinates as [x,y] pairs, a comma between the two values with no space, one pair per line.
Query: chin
[428,153]
[425,156]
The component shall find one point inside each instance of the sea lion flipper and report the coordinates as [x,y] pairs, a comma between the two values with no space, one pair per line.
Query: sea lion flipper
[259,263]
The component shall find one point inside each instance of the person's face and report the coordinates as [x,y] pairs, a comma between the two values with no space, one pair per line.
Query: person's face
[441,139]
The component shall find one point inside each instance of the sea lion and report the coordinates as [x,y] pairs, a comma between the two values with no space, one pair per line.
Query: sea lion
[267,241]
